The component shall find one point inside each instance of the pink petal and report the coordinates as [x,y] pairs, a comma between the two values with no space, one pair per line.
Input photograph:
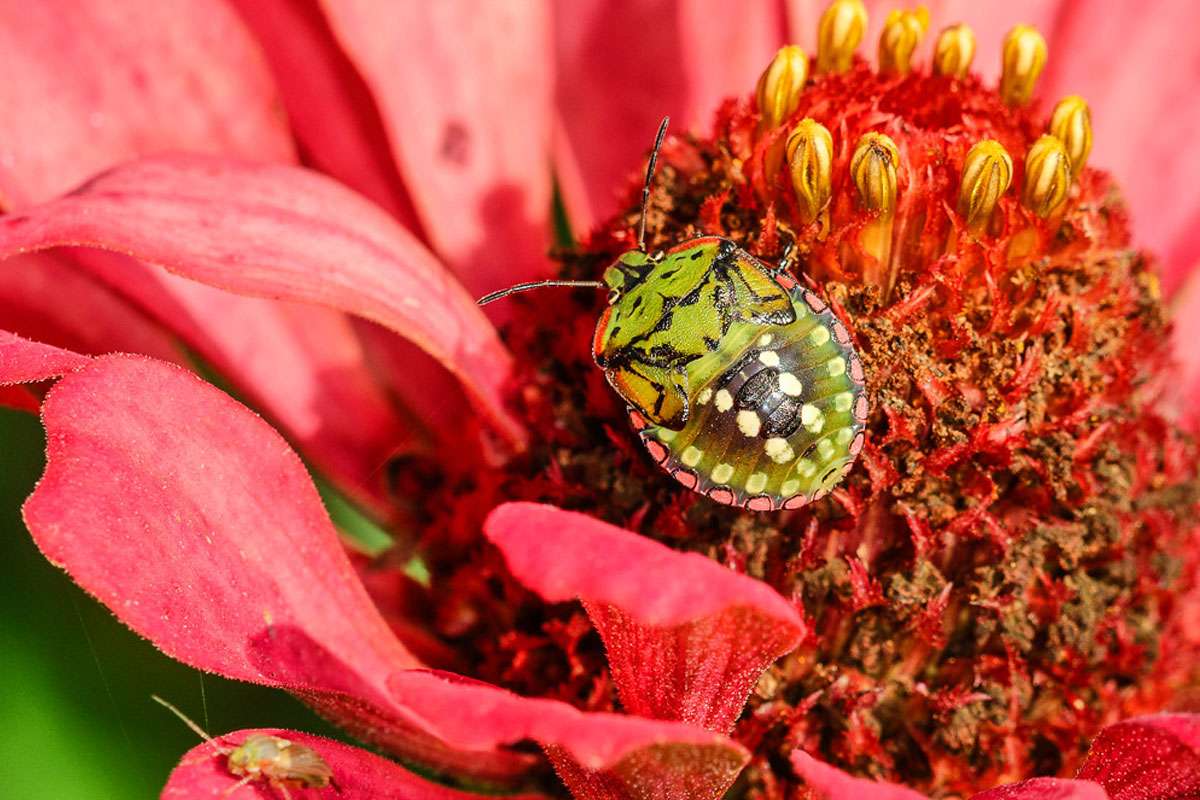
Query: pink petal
[304,366]
[1185,313]
[833,784]
[290,234]
[686,638]
[195,523]
[623,67]
[88,83]
[43,297]
[329,106]
[464,89]
[1139,74]
[25,361]
[598,756]
[358,774]
[1147,758]
[1045,789]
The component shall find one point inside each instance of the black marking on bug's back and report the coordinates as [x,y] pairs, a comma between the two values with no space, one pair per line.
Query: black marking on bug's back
[760,393]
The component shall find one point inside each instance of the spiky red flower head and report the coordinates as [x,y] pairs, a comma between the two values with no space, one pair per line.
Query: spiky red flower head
[999,576]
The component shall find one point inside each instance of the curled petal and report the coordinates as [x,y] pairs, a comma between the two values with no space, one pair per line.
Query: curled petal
[833,784]
[686,637]
[278,232]
[358,774]
[90,83]
[1147,758]
[465,92]
[598,756]
[26,361]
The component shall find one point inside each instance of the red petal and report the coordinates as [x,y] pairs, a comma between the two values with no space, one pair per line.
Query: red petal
[622,67]
[465,90]
[833,784]
[289,234]
[25,361]
[43,296]
[330,108]
[88,83]
[357,774]
[598,756]
[686,638]
[1147,758]
[1144,113]
[1045,789]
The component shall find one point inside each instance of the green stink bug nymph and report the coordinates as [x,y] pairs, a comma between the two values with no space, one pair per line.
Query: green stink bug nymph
[741,383]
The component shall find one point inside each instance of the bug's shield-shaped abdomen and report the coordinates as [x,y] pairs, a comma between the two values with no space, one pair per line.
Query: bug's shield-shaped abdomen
[778,415]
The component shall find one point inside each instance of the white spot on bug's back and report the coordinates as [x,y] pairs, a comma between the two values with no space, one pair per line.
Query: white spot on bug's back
[836,366]
[724,401]
[844,436]
[691,456]
[790,385]
[812,418]
[825,449]
[805,468]
[778,450]
[765,340]
[819,335]
[748,423]
[789,488]
[722,473]
[756,483]
[666,434]
[843,401]
[705,396]
[769,358]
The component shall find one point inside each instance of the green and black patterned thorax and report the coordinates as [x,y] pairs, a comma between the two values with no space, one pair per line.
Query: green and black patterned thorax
[741,383]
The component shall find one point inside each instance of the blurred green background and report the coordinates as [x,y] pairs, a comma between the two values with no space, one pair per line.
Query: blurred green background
[76,719]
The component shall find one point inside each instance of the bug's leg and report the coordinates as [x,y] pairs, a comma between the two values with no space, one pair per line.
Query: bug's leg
[237,785]
[786,261]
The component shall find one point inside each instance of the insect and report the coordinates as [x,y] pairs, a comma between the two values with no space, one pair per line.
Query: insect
[282,763]
[741,383]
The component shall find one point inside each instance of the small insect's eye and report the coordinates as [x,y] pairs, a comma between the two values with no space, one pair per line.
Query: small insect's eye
[657,256]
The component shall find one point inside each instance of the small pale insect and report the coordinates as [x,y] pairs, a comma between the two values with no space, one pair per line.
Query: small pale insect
[741,383]
[278,761]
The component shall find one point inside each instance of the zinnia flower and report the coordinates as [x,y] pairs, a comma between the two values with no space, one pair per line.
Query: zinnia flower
[1000,593]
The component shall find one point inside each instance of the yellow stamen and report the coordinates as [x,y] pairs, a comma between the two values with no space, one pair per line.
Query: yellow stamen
[1047,176]
[810,160]
[1071,124]
[901,34]
[780,85]
[954,52]
[987,172]
[842,27]
[1024,58]
[873,170]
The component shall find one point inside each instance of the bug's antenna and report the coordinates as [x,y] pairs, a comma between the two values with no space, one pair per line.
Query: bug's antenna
[186,719]
[658,140]
[524,287]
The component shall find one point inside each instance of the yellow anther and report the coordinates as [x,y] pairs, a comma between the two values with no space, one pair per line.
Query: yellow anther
[1071,124]
[1047,176]
[954,51]
[780,85]
[1024,58]
[842,27]
[901,34]
[810,161]
[986,174]
[873,169]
